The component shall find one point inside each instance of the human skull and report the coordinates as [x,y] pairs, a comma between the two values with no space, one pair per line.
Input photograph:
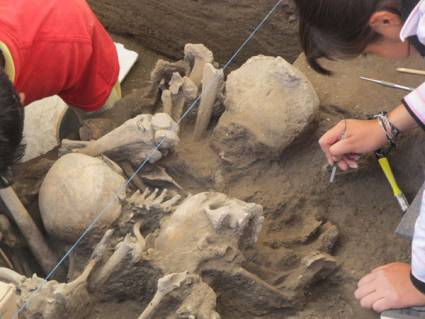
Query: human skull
[205,225]
[76,189]
[268,104]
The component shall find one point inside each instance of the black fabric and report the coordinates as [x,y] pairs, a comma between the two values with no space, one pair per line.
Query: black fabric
[2,60]
[407,7]
[418,284]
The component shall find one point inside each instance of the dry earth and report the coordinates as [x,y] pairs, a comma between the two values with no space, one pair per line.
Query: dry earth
[166,26]
[294,189]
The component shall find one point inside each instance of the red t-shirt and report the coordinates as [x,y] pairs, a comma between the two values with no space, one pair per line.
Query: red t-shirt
[59,47]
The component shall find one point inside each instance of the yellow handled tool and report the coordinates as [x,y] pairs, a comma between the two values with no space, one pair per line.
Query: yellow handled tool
[398,194]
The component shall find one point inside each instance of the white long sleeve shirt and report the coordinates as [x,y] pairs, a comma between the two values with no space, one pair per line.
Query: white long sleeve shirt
[415,104]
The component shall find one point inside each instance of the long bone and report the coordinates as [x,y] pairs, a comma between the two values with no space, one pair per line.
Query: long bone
[29,229]
[212,83]
[130,246]
[182,295]
[134,141]
[198,55]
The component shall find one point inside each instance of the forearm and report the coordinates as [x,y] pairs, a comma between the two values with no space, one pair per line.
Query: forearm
[401,118]
[414,104]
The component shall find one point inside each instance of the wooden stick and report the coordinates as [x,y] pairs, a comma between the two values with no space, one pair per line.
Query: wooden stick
[411,71]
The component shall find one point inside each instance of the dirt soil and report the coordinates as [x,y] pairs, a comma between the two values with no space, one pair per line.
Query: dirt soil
[166,26]
[296,193]
[294,189]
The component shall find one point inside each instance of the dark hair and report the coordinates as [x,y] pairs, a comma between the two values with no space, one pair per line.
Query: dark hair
[338,28]
[11,124]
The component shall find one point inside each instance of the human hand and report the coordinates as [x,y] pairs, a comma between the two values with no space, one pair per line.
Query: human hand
[344,141]
[388,287]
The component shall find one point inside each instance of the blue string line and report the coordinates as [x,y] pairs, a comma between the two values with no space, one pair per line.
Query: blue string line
[126,184]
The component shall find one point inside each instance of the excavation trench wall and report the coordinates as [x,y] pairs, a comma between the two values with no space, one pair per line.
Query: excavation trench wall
[166,26]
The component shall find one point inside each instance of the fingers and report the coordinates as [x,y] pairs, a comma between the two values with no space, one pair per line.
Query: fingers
[330,138]
[341,147]
[348,161]
[370,300]
[366,279]
[381,305]
[364,290]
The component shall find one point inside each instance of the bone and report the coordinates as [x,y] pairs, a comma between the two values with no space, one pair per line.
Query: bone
[187,96]
[176,96]
[176,83]
[158,177]
[212,83]
[182,295]
[102,246]
[124,249]
[150,200]
[163,70]
[75,191]
[6,259]
[182,91]
[56,300]
[198,55]
[134,141]
[165,285]
[29,229]
[141,243]
[10,276]
[129,172]
[167,102]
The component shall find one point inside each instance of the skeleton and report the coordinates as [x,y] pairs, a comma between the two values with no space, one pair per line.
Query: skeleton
[199,241]
[143,137]
[169,253]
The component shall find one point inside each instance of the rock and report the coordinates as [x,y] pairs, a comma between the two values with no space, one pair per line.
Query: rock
[76,189]
[269,103]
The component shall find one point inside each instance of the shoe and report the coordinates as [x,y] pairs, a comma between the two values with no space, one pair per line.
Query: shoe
[408,313]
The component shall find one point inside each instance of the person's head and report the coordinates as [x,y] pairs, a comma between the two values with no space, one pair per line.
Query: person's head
[11,125]
[347,28]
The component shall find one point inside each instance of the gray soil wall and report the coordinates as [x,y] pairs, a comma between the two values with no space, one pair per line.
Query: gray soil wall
[167,25]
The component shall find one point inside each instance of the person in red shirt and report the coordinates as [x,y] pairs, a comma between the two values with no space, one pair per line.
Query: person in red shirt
[51,47]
